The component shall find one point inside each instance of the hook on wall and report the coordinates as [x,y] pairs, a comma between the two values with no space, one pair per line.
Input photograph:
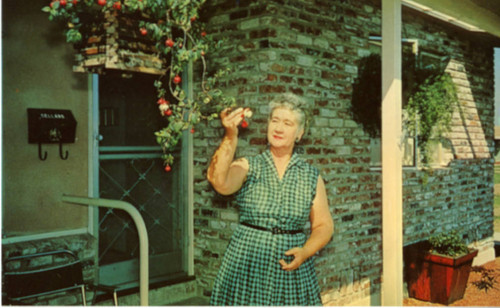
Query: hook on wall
[61,152]
[44,157]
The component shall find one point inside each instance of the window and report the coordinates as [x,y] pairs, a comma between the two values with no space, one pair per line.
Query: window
[441,153]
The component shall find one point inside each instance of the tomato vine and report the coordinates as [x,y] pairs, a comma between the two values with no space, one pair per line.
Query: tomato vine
[180,38]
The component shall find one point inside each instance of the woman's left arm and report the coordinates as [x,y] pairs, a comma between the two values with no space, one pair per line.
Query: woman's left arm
[321,230]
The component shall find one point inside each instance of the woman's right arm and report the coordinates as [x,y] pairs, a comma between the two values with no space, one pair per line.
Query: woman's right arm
[224,173]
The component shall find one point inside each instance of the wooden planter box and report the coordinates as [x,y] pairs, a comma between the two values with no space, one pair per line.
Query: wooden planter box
[115,43]
[437,278]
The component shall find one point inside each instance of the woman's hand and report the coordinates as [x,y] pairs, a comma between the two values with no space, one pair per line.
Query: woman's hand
[231,119]
[321,230]
[299,256]
[224,173]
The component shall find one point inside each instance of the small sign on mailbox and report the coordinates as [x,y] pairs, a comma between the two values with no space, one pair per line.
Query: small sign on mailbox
[51,126]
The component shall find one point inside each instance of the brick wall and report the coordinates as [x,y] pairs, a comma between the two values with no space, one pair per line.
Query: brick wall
[312,49]
[84,246]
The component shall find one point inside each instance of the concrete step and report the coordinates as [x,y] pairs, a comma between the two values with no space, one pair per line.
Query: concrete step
[192,301]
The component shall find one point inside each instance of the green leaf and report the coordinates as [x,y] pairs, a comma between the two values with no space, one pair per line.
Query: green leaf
[182,95]
[73,36]
[177,126]
[195,117]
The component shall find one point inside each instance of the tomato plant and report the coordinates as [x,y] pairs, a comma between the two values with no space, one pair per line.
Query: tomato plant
[180,38]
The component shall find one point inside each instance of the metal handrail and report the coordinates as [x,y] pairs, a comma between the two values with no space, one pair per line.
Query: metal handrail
[141,230]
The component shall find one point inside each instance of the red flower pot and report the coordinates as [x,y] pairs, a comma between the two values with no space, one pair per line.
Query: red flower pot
[437,278]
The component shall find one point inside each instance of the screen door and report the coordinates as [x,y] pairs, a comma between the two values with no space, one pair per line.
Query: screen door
[131,170]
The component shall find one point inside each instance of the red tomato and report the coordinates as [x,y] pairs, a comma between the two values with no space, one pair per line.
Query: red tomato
[169,42]
[162,101]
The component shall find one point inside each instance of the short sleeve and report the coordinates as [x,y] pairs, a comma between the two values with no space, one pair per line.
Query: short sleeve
[314,181]
[252,175]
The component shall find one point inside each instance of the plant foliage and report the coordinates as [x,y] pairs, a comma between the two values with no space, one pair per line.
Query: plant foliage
[487,280]
[367,94]
[180,39]
[448,243]
[429,96]
[430,110]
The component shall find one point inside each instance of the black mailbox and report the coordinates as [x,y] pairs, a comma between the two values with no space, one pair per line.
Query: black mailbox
[51,126]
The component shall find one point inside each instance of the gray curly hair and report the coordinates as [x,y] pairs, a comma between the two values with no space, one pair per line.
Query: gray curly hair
[294,103]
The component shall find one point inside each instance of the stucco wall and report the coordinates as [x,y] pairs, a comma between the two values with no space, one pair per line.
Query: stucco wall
[37,73]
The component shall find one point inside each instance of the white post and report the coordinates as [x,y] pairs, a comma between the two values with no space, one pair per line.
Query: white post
[392,206]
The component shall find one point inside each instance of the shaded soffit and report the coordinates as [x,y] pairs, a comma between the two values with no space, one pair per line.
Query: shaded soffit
[473,15]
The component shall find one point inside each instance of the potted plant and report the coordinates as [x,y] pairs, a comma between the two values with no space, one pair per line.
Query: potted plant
[437,270]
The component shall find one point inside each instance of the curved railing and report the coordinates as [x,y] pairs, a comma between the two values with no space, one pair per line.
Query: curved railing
[141,230]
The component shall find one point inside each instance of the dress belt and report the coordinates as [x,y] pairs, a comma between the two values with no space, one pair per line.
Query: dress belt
[274,230]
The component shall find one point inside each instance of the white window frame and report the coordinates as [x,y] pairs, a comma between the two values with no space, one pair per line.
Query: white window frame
[440,157]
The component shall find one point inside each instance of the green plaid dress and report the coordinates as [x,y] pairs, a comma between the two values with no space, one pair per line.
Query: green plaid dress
[250,273]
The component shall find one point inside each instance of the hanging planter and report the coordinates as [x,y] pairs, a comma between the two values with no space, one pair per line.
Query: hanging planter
[429,96]
[160,37]
[116,43]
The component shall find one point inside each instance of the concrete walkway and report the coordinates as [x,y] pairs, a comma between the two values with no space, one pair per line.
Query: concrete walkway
[193,301]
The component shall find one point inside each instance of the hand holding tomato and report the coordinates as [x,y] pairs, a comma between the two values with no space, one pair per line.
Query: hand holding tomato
[231,119]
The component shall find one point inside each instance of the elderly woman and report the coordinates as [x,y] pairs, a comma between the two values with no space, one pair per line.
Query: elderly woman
[268,260]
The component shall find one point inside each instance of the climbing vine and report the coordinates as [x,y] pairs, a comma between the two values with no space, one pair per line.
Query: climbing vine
[179,37]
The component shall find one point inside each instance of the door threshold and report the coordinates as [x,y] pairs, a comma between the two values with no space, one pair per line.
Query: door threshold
[154,283]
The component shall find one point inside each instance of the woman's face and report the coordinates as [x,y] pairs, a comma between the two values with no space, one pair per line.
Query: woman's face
[283,128]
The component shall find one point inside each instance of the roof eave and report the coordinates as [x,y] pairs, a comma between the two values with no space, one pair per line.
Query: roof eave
[476,16]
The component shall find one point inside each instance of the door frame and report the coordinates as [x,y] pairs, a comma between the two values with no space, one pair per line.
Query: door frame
[93,165]
[93,157]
